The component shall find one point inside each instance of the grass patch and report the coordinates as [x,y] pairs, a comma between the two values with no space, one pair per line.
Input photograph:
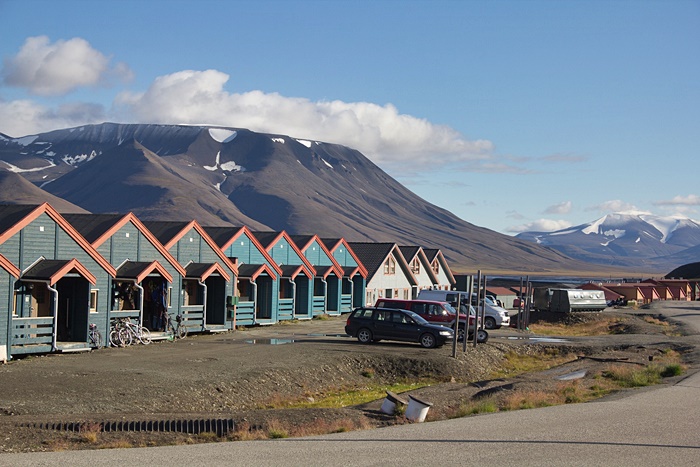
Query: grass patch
[356,396]
[516,364]
[596,327]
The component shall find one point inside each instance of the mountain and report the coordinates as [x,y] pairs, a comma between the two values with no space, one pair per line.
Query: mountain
[234,176]
[627,240]
[15,189]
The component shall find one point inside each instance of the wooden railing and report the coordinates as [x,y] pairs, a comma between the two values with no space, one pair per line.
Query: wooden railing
[32,331]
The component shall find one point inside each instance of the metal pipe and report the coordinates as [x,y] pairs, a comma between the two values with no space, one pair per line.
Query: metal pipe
[204,310]
[294,296]
[255,301]
[54,333]
[325,295]
[141,303]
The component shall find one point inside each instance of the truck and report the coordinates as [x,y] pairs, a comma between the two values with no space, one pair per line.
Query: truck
[568,300]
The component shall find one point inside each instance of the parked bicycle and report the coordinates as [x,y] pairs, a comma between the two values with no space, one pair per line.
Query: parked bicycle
[180,331]
[124,332]
[94,336]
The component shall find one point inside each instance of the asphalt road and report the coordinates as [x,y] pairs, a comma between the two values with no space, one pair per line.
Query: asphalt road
[654,426]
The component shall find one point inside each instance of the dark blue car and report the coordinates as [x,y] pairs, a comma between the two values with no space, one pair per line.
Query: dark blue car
[371,324]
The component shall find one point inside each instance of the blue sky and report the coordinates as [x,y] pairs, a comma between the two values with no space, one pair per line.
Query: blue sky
[514,115]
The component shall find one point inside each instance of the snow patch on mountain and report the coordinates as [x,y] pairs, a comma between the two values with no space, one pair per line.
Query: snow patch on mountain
[15,169]
[305,143]
[229,166]
[278,140]
[78,159]
[222,135]
[26,140]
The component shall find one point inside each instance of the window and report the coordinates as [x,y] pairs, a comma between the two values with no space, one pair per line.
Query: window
[388,293]
[436,266]
[415,266]
[170,297]
[93,301]
[14,303]
[390,266]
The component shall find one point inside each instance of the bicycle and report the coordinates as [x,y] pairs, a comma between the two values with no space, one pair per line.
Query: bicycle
[137,331]
[180,332]
[94,336]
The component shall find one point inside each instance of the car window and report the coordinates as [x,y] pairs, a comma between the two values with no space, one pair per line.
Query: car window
[416,318]
[398,317]
[418,308]
[382,315]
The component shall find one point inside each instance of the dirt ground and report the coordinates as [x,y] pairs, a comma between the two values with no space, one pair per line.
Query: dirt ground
[249,376]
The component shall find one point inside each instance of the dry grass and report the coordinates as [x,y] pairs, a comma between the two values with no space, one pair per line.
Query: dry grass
[515,364]
[597,327]
[277,429]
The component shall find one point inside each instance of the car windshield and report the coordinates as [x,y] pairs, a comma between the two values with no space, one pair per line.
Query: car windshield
[489,301]
[450,308]
[416,317]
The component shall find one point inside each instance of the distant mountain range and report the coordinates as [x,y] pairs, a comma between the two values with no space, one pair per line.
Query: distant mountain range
[232,176]
[627,240]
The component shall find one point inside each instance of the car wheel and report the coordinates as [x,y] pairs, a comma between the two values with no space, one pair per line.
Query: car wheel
[490,323]
[460,333]
[364,335]
[482,336]
[428,341]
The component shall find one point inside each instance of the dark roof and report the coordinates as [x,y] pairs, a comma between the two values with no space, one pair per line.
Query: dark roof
[301,240]
[247,270]
[371,255]
[265,238]
[197,269]
[45,269]
[165,231]
[289,269]
[10,214]
[132,269]
[92,226]
[431,253]
[330,242]
[221,235]
[409,252]
[687,271]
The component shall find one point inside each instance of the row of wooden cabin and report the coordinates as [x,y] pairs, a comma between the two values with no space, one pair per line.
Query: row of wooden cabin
[59,273]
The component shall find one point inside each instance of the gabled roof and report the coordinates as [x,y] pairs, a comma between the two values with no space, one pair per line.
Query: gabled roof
[292,271]
[19,216]
[223,237]
[373,256]
[8,266]
[139,270]
[252,271]
[434,253]
[98,228]
[412,252]
[53,270]
[270,239]
[202,271]
[333,244]
[169,233]
[303,242]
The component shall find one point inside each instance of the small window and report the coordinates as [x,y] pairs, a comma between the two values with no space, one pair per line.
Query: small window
[93,301]
[170,297]
[14,303]
[436,266]
[390,266]
[415,266]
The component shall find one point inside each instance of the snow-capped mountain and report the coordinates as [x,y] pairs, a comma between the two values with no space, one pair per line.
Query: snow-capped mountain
[627,239]
[234,176]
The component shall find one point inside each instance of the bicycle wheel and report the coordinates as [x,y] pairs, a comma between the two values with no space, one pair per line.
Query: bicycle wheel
[118,337]
[144,335]
[96,339]
[181,330]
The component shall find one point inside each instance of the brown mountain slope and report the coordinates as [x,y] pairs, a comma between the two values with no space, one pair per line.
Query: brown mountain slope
[16,189]
[130,178]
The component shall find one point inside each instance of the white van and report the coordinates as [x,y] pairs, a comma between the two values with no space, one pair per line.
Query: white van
[494,315]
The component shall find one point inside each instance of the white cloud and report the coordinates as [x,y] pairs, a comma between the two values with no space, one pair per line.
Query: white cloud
[540,225]
[561,208]
[25,117]
[690,200]
[199,97]
[51,69]
[614,205]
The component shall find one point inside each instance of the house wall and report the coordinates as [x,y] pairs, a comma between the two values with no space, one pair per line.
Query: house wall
[6,297]
[247,252]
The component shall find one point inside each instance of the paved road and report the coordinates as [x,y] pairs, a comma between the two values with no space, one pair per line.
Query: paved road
[657,426]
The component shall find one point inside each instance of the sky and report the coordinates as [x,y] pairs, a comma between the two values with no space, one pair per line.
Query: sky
[515,115]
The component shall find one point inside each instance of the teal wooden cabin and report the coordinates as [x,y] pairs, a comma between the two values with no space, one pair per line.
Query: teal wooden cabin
[354,278]
[327,283]
[62,287]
